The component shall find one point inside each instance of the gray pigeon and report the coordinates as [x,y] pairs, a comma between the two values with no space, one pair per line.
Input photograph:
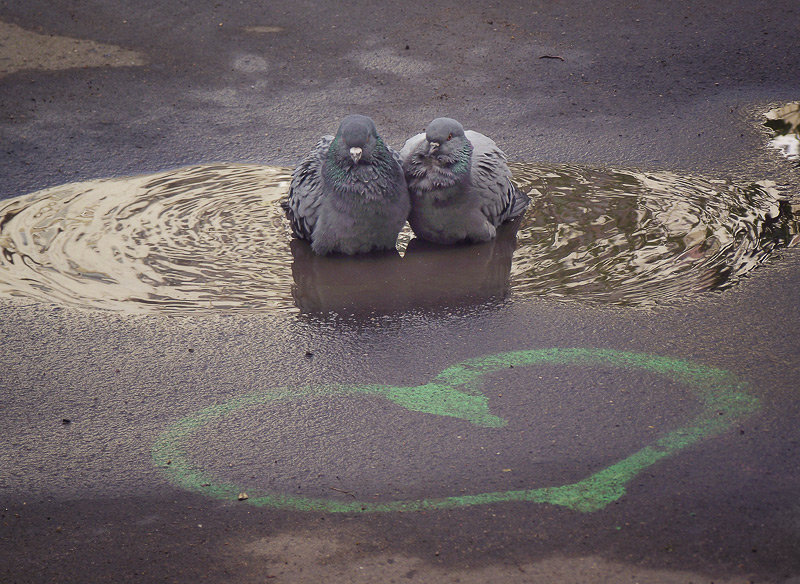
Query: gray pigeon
[349,194]
[459,183]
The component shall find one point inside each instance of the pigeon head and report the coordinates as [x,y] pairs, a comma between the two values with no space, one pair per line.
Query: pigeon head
[445,136]
[355,141]
[443,158]
[359,163]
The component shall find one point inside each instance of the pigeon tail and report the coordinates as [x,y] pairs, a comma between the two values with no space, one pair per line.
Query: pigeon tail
[519,203]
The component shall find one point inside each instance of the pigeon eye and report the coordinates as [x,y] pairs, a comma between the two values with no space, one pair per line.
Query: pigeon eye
[449,136]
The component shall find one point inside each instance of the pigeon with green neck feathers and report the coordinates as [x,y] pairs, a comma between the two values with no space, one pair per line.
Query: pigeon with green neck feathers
[459,183]
[349,194]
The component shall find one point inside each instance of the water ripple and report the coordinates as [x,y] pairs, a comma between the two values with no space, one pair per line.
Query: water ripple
[197,238]
[214,238]
[785,124]
[634,238]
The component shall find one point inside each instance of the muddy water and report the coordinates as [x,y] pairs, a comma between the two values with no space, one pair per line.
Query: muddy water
[213,238]
[785,123]
[192,239]
[635,238]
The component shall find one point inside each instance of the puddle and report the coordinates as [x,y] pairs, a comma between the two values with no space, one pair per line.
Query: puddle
[214,238]
[196,238]
[785,123]
[636,238]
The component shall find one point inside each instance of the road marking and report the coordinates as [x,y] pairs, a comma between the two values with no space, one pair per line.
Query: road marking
[455,392]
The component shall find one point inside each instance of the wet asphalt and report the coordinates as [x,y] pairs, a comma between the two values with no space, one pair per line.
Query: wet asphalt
[87,395]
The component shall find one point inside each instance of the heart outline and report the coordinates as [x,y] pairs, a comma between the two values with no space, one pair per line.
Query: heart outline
[455,392]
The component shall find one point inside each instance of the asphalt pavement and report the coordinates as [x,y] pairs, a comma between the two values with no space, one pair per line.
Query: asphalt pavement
[522,439]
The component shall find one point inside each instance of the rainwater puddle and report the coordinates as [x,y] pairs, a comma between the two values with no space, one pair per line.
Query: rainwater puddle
[634,238]
[213,238]
[785,123]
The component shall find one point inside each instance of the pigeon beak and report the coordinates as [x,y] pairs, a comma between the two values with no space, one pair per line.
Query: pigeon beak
[355,154]
[433,147]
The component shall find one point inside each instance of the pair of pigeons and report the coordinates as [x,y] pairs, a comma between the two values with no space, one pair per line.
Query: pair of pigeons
[353,194]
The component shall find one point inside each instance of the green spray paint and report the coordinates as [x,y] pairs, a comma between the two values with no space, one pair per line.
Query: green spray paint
[455,392]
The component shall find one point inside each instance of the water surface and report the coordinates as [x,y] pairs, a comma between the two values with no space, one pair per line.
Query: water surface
[784,121]
[213,238]
[633,238]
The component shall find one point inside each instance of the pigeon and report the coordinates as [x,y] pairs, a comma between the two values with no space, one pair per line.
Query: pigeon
[459,183]
[349,194]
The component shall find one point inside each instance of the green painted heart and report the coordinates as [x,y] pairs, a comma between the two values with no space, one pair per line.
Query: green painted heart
[456,392]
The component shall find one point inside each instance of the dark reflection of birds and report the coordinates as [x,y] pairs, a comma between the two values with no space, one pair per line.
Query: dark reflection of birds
[430,276]
[440,275]
[359,284]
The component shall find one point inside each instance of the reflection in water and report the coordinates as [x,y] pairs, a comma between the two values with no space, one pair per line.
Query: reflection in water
[785,122]
[202,237]
[214,238]
[427,276]
[633,238]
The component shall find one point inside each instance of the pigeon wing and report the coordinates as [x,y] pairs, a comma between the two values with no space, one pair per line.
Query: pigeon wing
[491,181]
[307,191]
